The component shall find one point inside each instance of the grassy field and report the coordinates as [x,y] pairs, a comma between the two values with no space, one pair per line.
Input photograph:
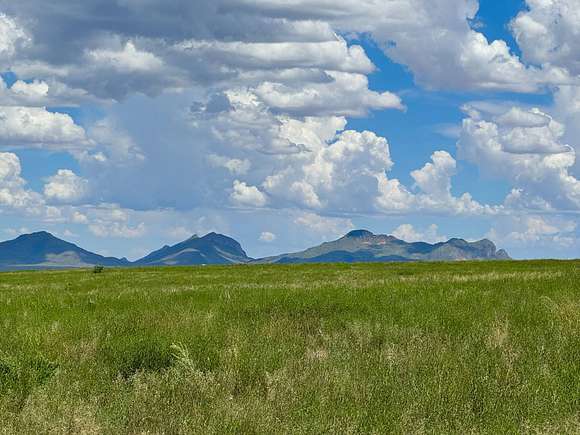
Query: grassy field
[383,348]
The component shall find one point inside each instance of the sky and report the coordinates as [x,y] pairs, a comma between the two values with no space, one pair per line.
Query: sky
[126,125]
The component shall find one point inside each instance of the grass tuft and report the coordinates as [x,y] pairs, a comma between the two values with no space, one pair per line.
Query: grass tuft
[127,355]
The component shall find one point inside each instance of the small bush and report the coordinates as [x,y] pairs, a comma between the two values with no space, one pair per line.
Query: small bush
[98,269]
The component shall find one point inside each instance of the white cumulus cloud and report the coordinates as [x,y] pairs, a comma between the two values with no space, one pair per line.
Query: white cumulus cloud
[529,155]
[409,233]
[29,127]
[548,33]
[66,187]
[248,196]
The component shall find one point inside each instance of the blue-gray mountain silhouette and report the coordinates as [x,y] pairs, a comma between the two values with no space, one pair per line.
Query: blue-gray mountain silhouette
[42,250]
[364,246]
[212,248]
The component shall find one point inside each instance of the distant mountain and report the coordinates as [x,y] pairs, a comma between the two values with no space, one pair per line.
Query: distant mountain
[364,246]
[212,248]
[42,250]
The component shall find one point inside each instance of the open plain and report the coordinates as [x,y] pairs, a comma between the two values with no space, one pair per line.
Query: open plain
[472,347]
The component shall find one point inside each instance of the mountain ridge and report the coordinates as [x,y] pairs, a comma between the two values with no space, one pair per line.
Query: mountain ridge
[364,246]
[42,250]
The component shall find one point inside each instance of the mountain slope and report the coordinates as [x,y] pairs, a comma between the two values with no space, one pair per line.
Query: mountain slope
[210,249]
[42,250]
[364,246]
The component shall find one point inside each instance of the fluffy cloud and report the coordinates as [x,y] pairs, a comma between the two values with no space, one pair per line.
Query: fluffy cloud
[433,182]
[535,230]
[341,175]
[37,127]
[331,55]
[409,233]
[66,187]
[525,148]
[275,95]
[345,94]
[21,92]
[531,132]
[113,221]
[129,68]
[462,59]
[13,192]
[115,146]
[109,61]
[239,119]
[291,44]
[247,196]
[434,179]
[127,59]
[323,226]
[246,103]
[315,163]
[567,109]
[12,36]
[79,218]
[40,93]
[548,33]
[433,38]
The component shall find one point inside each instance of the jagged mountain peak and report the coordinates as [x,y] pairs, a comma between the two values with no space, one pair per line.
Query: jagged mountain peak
[213,248]
[364,246]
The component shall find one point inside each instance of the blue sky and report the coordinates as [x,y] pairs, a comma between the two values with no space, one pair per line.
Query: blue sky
[288,123]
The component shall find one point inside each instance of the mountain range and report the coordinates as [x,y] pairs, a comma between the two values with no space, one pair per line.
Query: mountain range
[364,246]
[42,250]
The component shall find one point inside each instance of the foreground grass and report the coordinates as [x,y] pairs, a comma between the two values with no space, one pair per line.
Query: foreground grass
[413,348]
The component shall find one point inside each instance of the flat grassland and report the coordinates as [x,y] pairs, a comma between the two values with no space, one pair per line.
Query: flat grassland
[384,348]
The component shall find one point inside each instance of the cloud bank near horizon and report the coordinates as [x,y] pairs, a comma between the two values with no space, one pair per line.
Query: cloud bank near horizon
[188,115]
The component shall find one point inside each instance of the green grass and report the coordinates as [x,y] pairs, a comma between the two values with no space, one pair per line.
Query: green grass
[383,348]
